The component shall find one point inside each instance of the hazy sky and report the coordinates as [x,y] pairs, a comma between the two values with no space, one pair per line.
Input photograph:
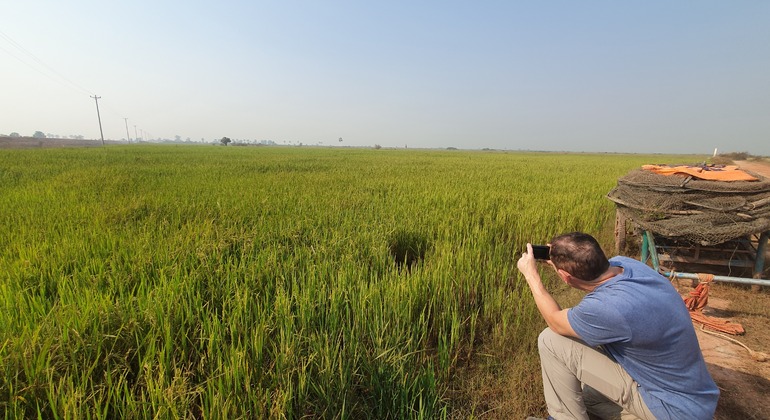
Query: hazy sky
[619,76]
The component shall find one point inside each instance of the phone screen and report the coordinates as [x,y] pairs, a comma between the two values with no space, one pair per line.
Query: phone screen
[541,252]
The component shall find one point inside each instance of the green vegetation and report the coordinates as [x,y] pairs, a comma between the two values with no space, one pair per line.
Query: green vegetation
[217,282]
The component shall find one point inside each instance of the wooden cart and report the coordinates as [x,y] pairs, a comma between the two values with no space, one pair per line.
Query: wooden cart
[741,255]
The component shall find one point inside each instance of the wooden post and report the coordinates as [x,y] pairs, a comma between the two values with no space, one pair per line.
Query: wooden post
[620,233]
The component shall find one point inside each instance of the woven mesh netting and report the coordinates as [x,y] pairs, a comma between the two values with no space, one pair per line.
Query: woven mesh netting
[697,211]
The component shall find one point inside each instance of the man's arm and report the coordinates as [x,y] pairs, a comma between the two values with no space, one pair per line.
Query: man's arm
[554,315]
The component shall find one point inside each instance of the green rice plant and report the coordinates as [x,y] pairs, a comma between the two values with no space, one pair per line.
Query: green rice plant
[186,282]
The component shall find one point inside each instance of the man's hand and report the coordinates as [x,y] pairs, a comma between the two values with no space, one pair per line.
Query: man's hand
[527,264]
[554,315]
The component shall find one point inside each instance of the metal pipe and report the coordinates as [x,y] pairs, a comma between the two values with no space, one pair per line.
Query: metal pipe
[728,279]
[653,249]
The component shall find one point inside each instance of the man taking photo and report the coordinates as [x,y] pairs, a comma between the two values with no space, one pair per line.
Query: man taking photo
[628,348]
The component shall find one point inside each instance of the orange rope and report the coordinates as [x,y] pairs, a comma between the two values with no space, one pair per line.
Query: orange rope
[698,299]
[700,296]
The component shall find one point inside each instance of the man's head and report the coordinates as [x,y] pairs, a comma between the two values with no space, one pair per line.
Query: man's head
[579,255]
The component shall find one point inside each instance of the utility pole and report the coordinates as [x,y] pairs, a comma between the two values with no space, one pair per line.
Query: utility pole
[96,98]
[128,136]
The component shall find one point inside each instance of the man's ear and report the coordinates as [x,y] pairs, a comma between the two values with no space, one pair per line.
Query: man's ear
[564,275]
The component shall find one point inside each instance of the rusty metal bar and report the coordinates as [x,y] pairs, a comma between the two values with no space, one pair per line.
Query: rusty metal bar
[708,261]
[761,250]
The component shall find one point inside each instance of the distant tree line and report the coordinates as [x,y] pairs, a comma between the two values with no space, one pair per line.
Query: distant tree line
[42,135]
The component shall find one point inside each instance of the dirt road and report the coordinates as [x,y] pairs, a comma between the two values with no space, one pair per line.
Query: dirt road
[762,168]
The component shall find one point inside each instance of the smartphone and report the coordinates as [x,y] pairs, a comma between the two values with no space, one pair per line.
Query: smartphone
[541,252]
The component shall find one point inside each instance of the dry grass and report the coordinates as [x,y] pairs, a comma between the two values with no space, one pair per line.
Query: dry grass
[503,381]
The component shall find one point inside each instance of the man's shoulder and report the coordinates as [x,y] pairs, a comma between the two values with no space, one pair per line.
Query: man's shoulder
[621,260]
[634,268]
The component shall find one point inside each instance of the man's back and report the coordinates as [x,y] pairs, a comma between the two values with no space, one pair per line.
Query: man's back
[640,321]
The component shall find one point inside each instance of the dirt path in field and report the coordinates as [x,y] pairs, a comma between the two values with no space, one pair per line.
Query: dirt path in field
[743,381]
[762,168]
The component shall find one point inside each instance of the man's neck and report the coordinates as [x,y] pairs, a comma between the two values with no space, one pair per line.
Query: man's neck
[610,273]
[605,277]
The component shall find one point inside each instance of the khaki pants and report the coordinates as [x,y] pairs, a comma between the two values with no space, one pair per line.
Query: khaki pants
[581,382]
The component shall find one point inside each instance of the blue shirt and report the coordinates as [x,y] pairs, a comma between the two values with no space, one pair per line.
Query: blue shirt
[641,321]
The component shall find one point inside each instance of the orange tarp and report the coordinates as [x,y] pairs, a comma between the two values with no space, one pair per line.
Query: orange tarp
[710,173]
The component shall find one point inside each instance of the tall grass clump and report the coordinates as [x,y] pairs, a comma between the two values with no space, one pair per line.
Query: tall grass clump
[210,282]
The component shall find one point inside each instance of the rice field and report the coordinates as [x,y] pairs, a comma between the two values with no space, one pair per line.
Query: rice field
[270,282]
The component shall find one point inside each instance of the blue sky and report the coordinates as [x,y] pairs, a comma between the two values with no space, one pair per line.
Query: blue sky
[615,76]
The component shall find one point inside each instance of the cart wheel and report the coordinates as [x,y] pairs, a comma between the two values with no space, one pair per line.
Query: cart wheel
[620,233]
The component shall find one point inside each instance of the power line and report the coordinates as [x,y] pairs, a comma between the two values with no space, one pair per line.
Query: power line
[40,62]
[34,68]
[32,61]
